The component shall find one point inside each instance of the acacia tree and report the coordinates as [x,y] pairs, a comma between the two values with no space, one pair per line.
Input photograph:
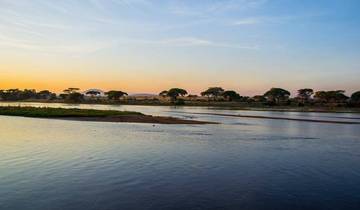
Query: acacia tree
[355,97]
[214,92]
[72,95]
[115,94]
[333,96]
[71,90]
[305,94]
[163,93]
[173,93]
[46,94]
[75,97]
[231,95]
[93,93]
[277,95]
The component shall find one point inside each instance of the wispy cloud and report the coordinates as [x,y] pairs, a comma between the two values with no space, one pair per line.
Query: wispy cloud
[77,48]
[189,42]
[247,21]
[58,33]
[274,19]
[131,3]
[63,7]
[214,7]
[261,20]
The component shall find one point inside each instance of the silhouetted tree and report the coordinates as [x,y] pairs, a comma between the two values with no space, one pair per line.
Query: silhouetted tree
[63,96]
[355,98]
[93,93]
[46,94]
[333,96]
[214,92]
[163,93]
[173,93]
[71,90]
[115,94]
[75,97]
[72,95]
[231,95]
[305,94]
[277,95]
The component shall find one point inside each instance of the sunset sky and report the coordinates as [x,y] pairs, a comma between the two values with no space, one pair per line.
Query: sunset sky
[145,46]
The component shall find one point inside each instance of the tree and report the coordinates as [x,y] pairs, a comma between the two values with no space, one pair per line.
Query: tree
[115,94]
[71,95]
[45,94]
[231,95]
[27,94]
[277,95]
[305,94]
[213,92]
[93,93]
[63,96]
[71,90]
[355,97]
[75,97]
[163,93]
[333,96]
[173,93]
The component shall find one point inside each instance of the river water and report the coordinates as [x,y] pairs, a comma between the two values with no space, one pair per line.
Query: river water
[242,163]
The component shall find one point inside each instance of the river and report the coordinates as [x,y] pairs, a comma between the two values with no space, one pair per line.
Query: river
[242,163]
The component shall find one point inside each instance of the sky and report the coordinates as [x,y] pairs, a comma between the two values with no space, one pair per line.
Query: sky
[146,46]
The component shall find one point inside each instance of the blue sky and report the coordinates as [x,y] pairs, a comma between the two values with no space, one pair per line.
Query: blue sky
[150,45]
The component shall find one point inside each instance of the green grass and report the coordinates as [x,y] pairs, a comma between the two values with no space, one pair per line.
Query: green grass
[46,112]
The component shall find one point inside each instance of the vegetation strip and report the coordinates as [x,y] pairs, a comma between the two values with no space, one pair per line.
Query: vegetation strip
[306,98]
[280,118]
[92,115]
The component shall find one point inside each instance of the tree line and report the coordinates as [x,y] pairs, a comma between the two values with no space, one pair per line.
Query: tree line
[68,95]
[274,96]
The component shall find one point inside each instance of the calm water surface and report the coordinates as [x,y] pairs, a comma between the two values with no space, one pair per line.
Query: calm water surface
[239,164]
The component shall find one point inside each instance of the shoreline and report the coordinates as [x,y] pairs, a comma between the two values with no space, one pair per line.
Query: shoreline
[93,115]
[216,105]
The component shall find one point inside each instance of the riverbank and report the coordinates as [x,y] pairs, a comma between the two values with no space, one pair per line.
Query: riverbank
[92,115]
[211,105]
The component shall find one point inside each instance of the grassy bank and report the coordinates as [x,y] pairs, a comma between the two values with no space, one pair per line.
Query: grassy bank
[92,115]
[45,112]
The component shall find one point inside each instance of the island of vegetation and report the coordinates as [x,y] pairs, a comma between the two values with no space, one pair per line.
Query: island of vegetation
[92,115]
